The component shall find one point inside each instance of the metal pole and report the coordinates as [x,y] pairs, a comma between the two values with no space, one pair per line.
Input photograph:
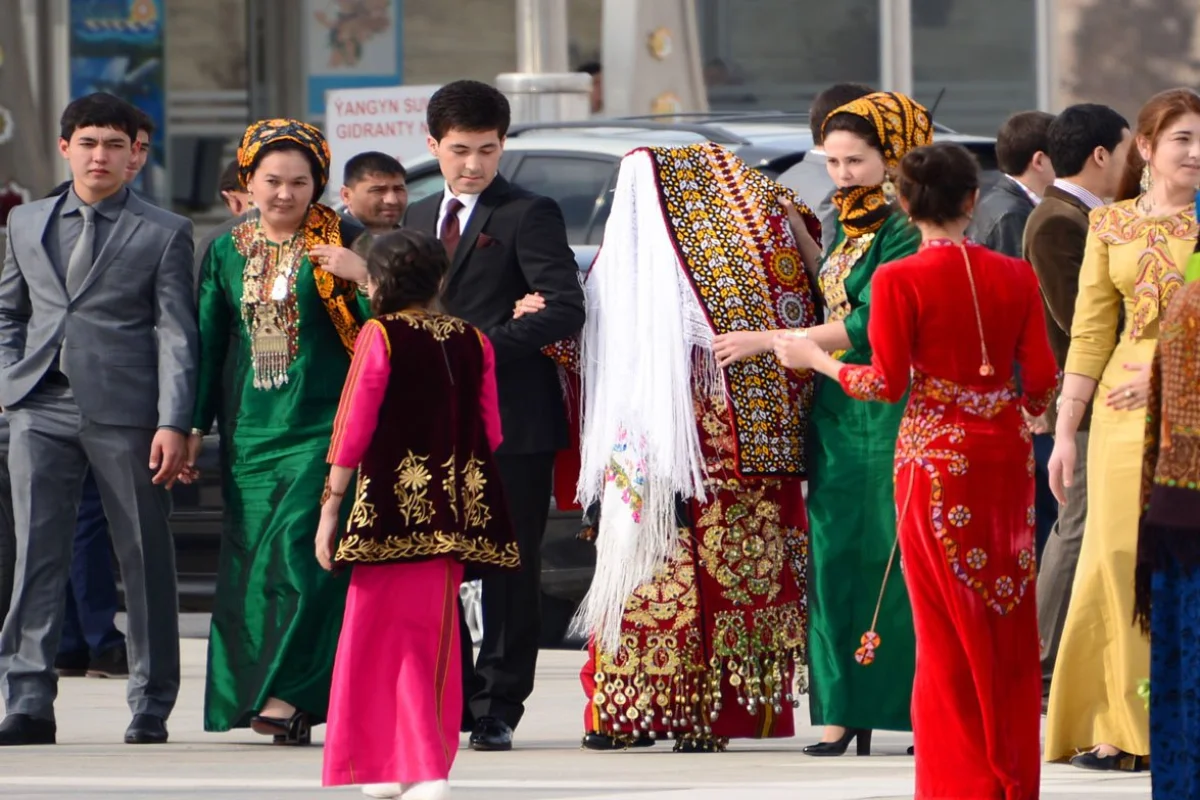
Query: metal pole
[1046,64]
[541,36]
[895,46]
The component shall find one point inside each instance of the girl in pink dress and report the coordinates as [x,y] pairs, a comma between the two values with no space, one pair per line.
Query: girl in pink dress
[419,421]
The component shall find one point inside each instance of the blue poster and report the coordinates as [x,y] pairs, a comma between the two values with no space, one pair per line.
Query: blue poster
[351,44]
[117,46]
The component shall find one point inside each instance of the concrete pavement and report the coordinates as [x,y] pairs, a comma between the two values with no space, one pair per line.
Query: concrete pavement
[90,761]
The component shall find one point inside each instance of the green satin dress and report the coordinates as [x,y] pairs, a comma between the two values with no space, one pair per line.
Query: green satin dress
[852,518]
[277,615]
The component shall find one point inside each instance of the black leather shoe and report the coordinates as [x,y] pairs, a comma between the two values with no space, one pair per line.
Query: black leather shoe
[71,665]
[862,735]
[113,663]
[22,729]
[491,735]
[146,729]
[599,741]
[1118,762]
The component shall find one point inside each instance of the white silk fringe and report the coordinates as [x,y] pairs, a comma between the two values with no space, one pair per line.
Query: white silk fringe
[645,342]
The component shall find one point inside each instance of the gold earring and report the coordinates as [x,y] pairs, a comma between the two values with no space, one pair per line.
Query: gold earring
[1147,182]
[889,189]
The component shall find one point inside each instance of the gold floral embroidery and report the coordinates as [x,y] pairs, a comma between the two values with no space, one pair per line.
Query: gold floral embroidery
[836,271]
[745,544]
[355,549]
[672,595]
[449,486]
[412,487]
[363,514]
[477,512]
[439,326]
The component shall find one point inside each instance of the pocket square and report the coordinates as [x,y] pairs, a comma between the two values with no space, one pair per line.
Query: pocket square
[485,241]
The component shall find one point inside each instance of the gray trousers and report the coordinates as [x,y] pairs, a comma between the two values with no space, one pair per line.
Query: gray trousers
[8,541]
[1059,559]
[50,448]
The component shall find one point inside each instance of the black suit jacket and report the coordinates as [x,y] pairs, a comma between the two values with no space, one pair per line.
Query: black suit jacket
[515,244]
[1000,218]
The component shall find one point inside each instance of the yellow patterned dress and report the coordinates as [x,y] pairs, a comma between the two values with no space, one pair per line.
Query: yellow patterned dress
[1133,264]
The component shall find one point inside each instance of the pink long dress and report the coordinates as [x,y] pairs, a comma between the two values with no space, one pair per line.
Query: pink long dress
[396,701]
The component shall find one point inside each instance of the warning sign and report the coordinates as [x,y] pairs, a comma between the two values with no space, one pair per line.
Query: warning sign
[387,119]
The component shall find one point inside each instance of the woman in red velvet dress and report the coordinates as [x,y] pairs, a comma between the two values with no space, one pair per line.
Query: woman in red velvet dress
[955,319]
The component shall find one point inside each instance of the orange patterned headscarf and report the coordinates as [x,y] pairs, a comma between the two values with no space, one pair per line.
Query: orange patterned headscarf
[902,124]
[271,131]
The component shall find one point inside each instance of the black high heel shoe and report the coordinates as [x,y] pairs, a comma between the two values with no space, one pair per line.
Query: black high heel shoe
[295,731]
[1118,762]
[863,735]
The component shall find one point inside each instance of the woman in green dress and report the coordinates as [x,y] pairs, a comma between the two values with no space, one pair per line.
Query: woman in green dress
[277,614]
[861,647]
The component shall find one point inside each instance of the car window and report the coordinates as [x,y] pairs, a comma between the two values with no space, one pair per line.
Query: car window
[424,183]
[578,185]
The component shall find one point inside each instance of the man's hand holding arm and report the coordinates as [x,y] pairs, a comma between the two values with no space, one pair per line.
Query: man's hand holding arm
[549,266]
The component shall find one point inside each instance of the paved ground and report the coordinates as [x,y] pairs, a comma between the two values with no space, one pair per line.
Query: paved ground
[90,761]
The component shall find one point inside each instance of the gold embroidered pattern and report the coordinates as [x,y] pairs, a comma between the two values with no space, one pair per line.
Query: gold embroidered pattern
[476,511]
[834,273]
[671,597]
[412,488]
[439,326]
[449,486]
[355,549]
[745,546]
[1159,276]
[363,514]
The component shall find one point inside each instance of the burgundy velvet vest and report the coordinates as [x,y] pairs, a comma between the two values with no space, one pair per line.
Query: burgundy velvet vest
[428,485]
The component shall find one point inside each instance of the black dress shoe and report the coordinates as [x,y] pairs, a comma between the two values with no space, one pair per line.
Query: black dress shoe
[863,735]
[22,729]
[146,729]
[1118,762]
[113,663]
[599,741]
[491,735]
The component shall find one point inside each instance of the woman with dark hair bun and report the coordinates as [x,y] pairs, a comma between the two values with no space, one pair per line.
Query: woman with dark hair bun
[957,317]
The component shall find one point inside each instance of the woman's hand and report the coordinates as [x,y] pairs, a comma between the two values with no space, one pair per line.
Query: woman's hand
[529,304]
[799,229]
[346,264]
[796,352]
[730,348]
[1133,394]
[327,533]
[1062,467]
[190,474]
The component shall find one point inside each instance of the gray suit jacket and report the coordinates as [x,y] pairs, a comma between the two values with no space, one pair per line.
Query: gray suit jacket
[810,180]
[128,336]
[1000,217]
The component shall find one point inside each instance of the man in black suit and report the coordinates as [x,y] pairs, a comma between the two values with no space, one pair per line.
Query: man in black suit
[1001,213]
[504,243]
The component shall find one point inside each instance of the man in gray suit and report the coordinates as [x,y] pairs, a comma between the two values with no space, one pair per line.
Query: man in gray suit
[98,351]
[810,179]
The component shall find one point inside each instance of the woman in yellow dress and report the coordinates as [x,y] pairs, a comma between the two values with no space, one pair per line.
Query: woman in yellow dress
[1136,252]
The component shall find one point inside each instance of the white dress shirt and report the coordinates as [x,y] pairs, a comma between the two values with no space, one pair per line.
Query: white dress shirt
[1075,190]
[464,214]
[1033,198]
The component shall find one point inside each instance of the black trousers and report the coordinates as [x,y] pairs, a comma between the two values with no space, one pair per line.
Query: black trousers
[498,684]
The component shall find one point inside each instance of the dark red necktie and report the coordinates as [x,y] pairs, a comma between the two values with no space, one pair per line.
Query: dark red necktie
[450,230]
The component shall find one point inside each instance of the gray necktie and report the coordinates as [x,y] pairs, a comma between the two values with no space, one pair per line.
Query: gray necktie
[80,263]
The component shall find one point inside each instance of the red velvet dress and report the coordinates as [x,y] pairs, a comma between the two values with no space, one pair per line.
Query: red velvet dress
[964,499]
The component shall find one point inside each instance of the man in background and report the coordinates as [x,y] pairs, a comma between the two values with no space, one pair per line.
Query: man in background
[1087,144]
[594,69]
[1001,214]
[233,194]
[375,191]
[810,179]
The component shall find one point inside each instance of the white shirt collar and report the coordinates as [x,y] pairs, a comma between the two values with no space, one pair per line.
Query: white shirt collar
[1075,190]
[1033,198]
[468,200]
